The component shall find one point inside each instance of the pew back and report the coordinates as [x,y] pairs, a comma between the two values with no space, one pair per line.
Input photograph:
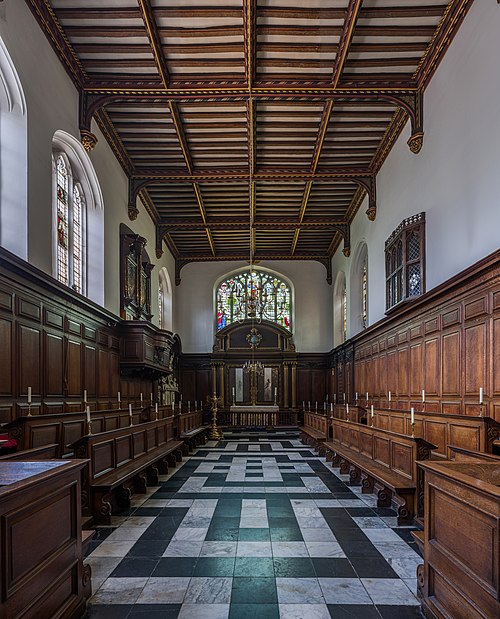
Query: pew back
[397,452]
[317,422]
[116,448]
[474,433]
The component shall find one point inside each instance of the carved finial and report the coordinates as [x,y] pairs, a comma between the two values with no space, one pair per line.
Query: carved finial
[132,213]
[88,139]
[371,213]
[346,251]
[416,142]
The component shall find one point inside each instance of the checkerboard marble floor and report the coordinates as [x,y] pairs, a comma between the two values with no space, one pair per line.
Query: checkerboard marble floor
[256,526]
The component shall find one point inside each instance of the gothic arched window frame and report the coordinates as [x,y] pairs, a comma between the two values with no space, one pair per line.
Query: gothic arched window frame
[266,291]
[70,214]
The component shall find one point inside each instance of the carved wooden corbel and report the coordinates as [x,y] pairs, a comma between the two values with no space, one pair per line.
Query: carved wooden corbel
[413,104]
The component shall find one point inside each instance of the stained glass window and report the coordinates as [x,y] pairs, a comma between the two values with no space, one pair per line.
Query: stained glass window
[70,211]
[364,295]
[62,222]
[404,261]
[77,239]
[344,314]
[255,294]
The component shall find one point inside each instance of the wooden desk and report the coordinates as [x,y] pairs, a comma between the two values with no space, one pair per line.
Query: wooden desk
[41,568]
[460,576]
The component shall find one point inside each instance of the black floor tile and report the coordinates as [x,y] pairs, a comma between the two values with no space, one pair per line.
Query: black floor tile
[333,568]
[155,611]
[359,549]
[254,591]
[350,535]
[175,566]
[134,567]
[148,511]
[222,534]
[254,535]
[148,548]
[261,567]
[372,567]
[400,612]
[290,534]
[353,611]
[108,611]
[254,611]
[214,566]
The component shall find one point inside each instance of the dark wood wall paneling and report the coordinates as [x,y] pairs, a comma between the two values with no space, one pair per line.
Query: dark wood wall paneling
[57,343]
[447,343]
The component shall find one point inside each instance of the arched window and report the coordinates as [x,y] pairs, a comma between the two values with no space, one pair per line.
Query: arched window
[78,219]
[13,159]
[257,294]
[340,310]
[70,227]
[359,289]
[164,300]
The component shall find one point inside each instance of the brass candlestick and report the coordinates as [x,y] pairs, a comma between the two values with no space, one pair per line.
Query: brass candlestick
[89,427]
[29,409]
[413,429]
[215,434]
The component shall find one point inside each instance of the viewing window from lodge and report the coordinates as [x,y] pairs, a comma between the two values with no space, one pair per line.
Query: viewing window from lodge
[257,294]
[405,261]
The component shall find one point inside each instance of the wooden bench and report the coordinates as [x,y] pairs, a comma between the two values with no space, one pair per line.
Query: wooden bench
[474,433]
[46,452]
[382,462]
[122,462]
[66,428]
[314,430]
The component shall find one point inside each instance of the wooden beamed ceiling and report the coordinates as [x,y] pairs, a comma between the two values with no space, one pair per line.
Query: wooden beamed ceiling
[251,126]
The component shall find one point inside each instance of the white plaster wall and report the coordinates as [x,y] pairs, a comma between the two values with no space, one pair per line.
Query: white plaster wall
[455,177]
[194,311]
[52,104]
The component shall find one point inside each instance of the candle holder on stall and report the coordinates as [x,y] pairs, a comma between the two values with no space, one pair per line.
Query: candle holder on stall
[89,427]
[413,429]
[215,434]
[29,410]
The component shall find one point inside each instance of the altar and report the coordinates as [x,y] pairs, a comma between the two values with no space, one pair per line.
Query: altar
[258,415]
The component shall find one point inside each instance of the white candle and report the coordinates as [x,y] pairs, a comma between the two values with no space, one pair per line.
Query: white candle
[180,404]
[84,395]
[356,395]
[130,410]
[423,395]
[371,412]
[303,405]
[156,408]
[331,408]
[326,398]
[141,398]
[367,396]
[480,395]
[172,407]
[347,409]
[344,397]
[151,398]
[29,395]
[119,397]
[88,414]
[389,396]
[234,391]
[412,415]
[324,406]
[275,391]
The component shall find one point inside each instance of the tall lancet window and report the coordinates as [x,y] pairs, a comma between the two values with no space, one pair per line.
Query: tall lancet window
[71,209]
[344,315]
[364,296]
[62,221]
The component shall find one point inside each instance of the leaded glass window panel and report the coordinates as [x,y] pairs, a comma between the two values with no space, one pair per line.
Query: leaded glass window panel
[62,221]
[405,252]
[77,239]
[255,294]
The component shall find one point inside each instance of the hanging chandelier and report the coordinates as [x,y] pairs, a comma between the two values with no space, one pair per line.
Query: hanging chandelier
[253,367]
